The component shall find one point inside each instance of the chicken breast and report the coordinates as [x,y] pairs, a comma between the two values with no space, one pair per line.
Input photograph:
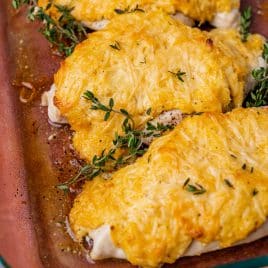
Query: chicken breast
[149,60]
[206,182]
[92,11]
[244,57]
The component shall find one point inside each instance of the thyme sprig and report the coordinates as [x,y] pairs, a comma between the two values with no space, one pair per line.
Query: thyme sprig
[196,188]
[255,192]
[128,10]
[228,183]
[126,147]
[245,23]
[259,95]
[90,171]
[64,33]
[116,46]
[179,74]
[97,105]
[18,3]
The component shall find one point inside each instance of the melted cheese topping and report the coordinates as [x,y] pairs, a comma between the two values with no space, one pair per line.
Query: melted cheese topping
[95,10]
[154,219]
[138,76]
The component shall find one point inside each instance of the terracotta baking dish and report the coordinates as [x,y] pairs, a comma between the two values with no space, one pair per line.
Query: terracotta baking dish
[34,156]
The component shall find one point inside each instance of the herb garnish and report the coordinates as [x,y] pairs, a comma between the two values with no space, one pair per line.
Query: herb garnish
[228,183]
[245,23]
[64,33]
[148,112]
[196,189]
[128,10]
[116,46]
[244,167]
[255,192]
[179,75]
[186,182]
[97,105]
[144,61]
[259,95]
[130,144]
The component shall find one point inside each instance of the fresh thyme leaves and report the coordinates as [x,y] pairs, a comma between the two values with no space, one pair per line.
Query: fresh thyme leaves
[97,105]
[228,183]
[126,147]
[245,23]
[90,171]
[128,10]
[154,129]
[179,75]
[255,192]
[148,112]
[265,52]
[259,95]
[64,33]
[149,158]
[18,3]
[186,182]
[196,189]
[116,46]
[120,11]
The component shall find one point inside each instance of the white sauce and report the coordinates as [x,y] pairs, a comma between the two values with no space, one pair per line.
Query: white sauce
[225,20]
[96,25]
[197,248]
[54,115]
[104,248]
[184,19]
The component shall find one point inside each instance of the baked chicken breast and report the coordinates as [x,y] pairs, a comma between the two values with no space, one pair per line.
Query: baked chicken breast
[150,61]
[205,182]
[223,13]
